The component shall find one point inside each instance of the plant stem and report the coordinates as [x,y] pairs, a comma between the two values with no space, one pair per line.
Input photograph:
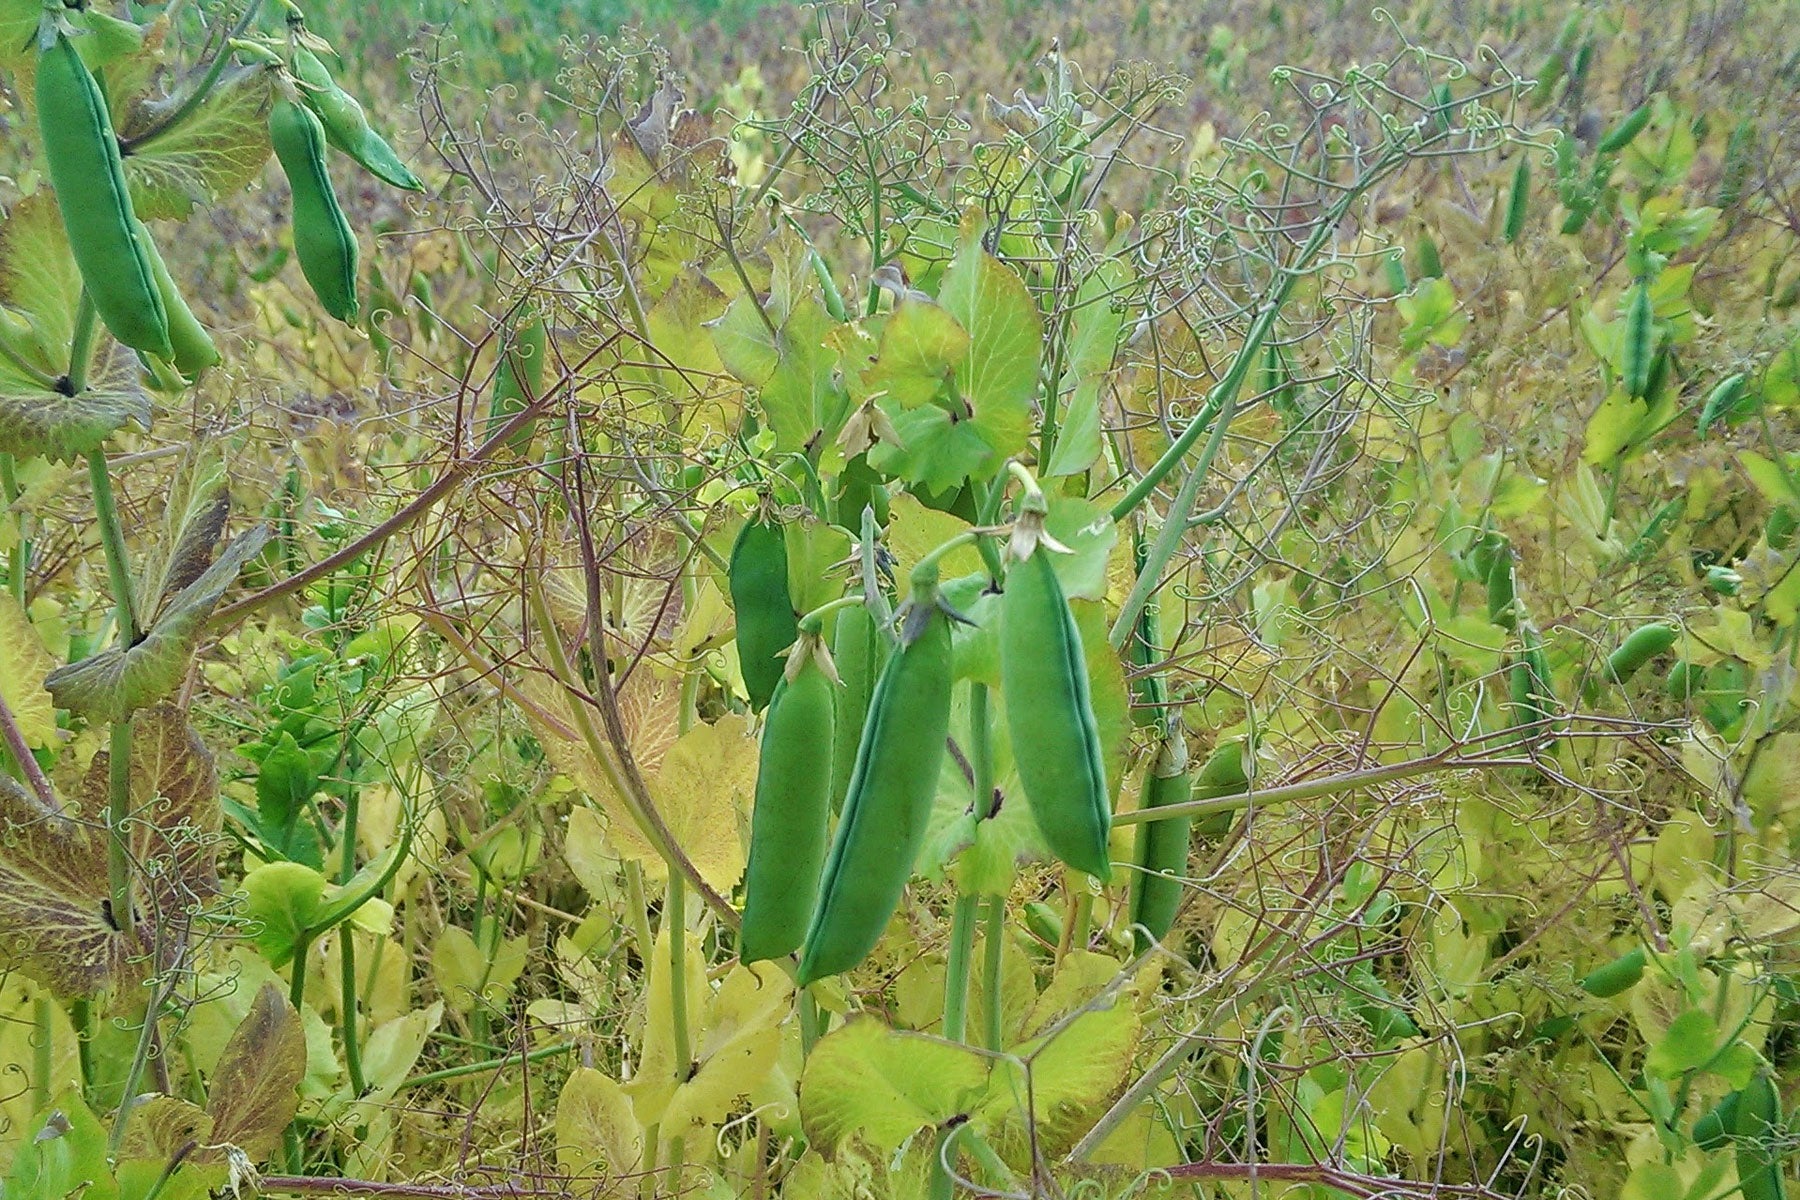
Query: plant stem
[81,346]
[347,949]
[675,925]
[43,1018]
[993,960]
[28,765]
[128,1094]
[639,913]
[956,971]
[19,557]
[492,1064]
[118,840]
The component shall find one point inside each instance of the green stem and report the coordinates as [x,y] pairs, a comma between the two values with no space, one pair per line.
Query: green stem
[812,1023]
[492,1064]
[112,540]
[19,558]
[140,1056]
[195,98]
[43,1017]
[993,960]
[347,999]
[675,923]
[297,980]
[943,1184]
[118,839]
[925,572]
[812,621]
[956,971]
[638,911]
[81,346]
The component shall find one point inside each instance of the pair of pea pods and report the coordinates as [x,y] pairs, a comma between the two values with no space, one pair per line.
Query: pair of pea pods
[131,288]
[835,901]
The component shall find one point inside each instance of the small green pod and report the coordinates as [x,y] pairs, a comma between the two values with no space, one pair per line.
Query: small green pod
[1162,846]
[1043,922]
[1533,696]
[519,379]
[1621,135]
[82,152]
[193,347]
[1735,171]
[1727,402]
[323,240]
[1050,715]
[791,815]
[1638,648]
[859,651]
[1620,975]
[347,125]
[889,802]
[1501,581]
[1758,1135]
[1713,1128]
[1657,530]
[766,623]
[1517,205]
[1637,352]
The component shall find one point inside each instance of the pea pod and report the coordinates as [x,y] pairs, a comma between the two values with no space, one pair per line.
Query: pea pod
[1517,203]
[347,126]
[520,377]
[792,811]
[1731,401]
[192,346]
[889,800]
[1713,1128]
[1044,679]
[1758,1134]
[766,625]
[1620,975]
[1162,846]
[323,240]
[1621,135]
[1498,574]
[858,650]
[1533,697]
[1642,645]
[82,152]
[1639,346]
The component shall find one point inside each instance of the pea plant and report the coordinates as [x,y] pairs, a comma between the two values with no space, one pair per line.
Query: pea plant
[900,642]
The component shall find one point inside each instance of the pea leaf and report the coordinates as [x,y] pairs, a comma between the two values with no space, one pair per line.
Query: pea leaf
[1689,1042]
[921,344]
[55,904]
[254,1089]
[998,377]
[23,664]
[120,680]
[596,1131]
[66,1156]
[213,153]
[881,1086]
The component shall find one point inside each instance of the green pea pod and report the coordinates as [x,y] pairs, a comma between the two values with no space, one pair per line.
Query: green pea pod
[89,177]
[1620,975]
[193,347]
[519,379]
[1502,595]
[889,801]
[1621,135]
[792,811]
[766,625]
[1758,1135]
[1713,1128]
[323,240]
[347,126]
[1517,204]
[1162,846]
[1043,922]
[1056,742]
[1639,347]
[1642,645]
[1657,531]
[1731,401]
[1533,697]
[859,651]
[1735,171]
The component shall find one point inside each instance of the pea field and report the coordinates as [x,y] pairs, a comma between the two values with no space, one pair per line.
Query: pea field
[900,601]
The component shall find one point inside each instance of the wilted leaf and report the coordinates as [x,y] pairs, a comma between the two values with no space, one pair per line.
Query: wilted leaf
[253,1093]
[213,153]
[596,1132]
[118,681]
[881,1086]
[55,907]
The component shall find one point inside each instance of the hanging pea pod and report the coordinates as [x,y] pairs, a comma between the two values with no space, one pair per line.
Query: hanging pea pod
[766,623]
[1049,712]
[1622,134]
[1638,348]
[792,811]
[1656,531]
[889,800]
[82,152]
[1533,696]
[1638,648]
[1731,401]
[1162,846]
[1735,171]
[193,347]
[1713,1128]
[323,240]
[347,126]
[1426,259]
[1492,558]
[859,651]
[1759,1136]
[519,379]
[1517,203]
[1620,975]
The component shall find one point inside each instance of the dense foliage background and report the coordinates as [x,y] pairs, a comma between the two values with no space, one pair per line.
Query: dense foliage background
[1519,284]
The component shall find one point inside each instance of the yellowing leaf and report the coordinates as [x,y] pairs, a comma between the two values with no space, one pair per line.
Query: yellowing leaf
[881,1086]
[596,1131]
[253,1091]
[23,664]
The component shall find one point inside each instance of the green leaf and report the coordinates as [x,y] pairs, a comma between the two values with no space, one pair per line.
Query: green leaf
[215,152]
[1689,1042]
[1052,1088]
[936,451]
[56,919]
[285,899]
[1613,428]
[1086,528]
[121,680]
[38,276]
[998,377]
[881,1086]
[1781,380]
[64,1157]
[920,346]
[285,782]
[18,33]
[193,521]
[36,420]
[254,1089]
[1775,484]
[23,664]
